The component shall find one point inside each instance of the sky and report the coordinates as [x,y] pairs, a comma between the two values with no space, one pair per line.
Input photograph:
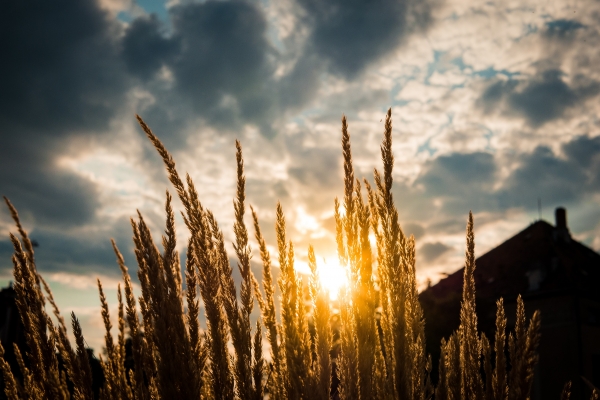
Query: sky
[495,105]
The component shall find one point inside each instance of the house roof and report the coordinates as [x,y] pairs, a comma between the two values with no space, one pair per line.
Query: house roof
[540,260]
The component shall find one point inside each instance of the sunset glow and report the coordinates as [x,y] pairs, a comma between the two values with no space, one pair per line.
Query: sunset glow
[332,275]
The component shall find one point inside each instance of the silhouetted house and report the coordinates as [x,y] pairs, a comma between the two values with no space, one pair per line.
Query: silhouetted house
[554,274]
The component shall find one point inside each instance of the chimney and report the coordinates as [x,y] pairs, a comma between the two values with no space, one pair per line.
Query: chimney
[561,218]
[561,232]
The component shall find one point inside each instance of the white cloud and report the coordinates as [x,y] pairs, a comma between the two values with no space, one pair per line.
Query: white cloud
[82,282]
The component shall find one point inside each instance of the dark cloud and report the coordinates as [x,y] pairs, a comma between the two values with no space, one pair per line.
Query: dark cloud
[301,85]
[6,252]
[539,100]
[463,182]
[223,67]
[431,251]
[46,193]
[78,254]
[353,34]
[492,96]
[223,52]
[218,55]
[552,178]
[547,98]
[584,151]
[562,28]
[450,185]
[61,74]
[61,69]
[542,174]
[71,66]
[414,229]
[412,201]
[454,174]
[146,48]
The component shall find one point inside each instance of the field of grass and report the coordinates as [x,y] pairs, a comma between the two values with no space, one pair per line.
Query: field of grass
[371,347]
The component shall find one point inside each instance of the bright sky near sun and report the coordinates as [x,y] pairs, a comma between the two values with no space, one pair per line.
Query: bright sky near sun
[495,105]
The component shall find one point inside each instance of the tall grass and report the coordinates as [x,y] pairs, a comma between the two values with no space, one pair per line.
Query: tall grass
[380,353]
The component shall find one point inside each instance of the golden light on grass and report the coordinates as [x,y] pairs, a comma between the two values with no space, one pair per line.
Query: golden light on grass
[374,350]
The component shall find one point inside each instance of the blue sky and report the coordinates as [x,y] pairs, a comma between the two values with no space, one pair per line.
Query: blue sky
[495,104]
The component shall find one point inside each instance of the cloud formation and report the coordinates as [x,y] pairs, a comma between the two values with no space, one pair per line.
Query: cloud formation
[63,71]
[62,76]
[538,100]
[352,35]
[554,178]
[431,251]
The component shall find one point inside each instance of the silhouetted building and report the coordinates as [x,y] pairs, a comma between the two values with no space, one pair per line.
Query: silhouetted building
[554,274]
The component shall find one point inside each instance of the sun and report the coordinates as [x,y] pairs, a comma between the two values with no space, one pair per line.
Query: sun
[332,276]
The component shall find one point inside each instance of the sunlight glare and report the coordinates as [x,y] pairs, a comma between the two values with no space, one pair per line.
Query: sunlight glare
[332,276]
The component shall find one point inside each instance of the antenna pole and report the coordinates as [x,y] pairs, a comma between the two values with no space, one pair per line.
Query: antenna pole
[540,208]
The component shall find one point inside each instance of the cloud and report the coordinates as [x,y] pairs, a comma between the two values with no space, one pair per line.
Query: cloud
[431,251]
[413,229]
[562,28]
[548,98]
[450,185]
[74,69]
[352,35]
[555,179]
[494,93]
[83,282]
[223,52]
[472,181]
[76,253]
[64,71]
[550,75]
[542,174]
[310,164]
[64,76]
[43,191]
[457,182]
[214,65]
[146,48]
[454,175]
[585,151]
[540,99]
